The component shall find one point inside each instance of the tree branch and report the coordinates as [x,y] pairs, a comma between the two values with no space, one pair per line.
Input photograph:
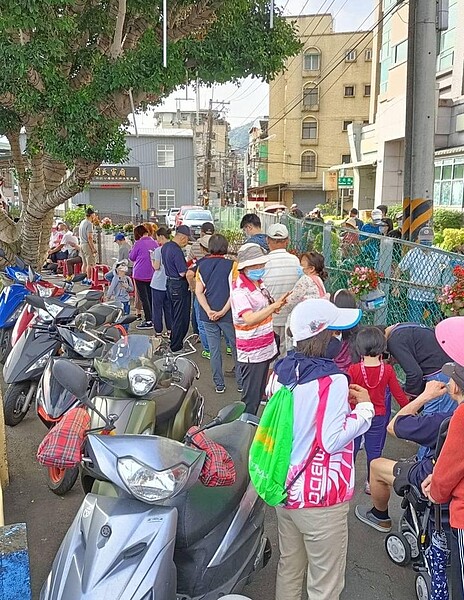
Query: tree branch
[7,100]
[116,47]
[188,20]
[35,79]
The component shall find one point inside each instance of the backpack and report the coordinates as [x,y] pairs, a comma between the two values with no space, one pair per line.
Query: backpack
[271,448]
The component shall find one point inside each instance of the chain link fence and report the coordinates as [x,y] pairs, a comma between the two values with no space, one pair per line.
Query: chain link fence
[411,276]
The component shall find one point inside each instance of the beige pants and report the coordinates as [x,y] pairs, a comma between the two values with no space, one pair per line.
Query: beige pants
[312,540]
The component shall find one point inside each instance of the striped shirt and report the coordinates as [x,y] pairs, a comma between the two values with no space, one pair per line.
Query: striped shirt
[280,277]
[255,343]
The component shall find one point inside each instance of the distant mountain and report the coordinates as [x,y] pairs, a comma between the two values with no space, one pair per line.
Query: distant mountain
[238,137]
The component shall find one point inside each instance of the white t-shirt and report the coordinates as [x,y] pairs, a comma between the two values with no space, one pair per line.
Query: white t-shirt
[69,241]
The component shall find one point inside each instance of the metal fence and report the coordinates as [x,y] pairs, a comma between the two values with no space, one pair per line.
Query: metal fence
[412,276]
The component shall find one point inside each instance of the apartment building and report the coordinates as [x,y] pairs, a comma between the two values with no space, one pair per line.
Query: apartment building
[257,160]
[311,105]
[377,150]
[198,123]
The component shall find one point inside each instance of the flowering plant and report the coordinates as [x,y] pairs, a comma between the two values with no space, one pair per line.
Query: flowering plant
[106,223]
[451,299]
[364,280]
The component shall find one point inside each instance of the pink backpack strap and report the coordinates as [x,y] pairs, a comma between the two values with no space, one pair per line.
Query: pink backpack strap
[324,387]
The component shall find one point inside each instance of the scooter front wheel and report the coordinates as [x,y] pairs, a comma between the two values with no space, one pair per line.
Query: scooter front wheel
[13,402]
[60,481]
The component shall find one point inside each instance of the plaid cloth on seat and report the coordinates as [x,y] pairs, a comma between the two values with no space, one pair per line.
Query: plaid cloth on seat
[218,468]
[63,444]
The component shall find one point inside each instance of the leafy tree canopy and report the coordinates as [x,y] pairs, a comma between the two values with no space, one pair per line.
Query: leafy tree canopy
[69,68]
[70,64]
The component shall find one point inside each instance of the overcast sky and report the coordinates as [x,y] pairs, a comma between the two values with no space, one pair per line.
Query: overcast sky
[250,100]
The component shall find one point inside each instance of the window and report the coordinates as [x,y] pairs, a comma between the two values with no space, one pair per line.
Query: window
[350,56]
[308,162]
[309,129]
[349,91]
[368,55]
[346,159]
[367,90]
[310,96]
[165,153]
[312,60]
[166,199]
[449,182]
[401,52]
[345,125]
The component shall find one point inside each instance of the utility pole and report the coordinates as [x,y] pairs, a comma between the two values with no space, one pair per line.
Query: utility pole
[209,135]
[208,152]
[421,104]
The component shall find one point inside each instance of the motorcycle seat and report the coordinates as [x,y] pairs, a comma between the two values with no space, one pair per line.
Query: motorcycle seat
[103,313]
[200,508]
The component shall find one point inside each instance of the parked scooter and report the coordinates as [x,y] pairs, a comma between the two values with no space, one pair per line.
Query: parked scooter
[150,529]
[153,391]
[27,359]
[53,401]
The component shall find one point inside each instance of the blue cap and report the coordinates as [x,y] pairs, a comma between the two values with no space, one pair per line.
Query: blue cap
[184,230]
[119,236]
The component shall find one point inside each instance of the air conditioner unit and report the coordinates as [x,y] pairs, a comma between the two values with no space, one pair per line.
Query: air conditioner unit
[351,192]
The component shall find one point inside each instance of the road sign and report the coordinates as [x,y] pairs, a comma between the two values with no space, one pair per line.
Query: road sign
[345,182]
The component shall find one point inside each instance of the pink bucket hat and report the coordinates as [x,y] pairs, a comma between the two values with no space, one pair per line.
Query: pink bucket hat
[450,336]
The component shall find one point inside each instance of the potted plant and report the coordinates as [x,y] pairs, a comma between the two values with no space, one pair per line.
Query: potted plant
[364,283]
[451,299]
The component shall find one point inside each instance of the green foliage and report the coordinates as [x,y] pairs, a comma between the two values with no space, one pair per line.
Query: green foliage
[234,237]
[74,216]
[444,218]
[334,242]
[393,210]
[330,208]
[64,83]
[453,240]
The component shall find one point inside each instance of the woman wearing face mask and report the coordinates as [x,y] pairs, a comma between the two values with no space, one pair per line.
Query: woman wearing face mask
[252,310]
[313,523]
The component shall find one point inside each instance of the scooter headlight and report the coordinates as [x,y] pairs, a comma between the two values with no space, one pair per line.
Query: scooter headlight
[40,362]
[84,347]
[141,381]
[150,485]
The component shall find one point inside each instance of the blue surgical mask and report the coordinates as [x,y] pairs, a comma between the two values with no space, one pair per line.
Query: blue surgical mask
[255,274]
[299,271]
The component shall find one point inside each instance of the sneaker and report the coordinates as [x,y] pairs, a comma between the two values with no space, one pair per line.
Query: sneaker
[220,389]
[206,354]
[239,390]
[86,282]
[364,514]
[229,351]
[367,488]
[145,325]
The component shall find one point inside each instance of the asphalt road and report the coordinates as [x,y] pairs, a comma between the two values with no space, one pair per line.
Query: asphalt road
[369,576]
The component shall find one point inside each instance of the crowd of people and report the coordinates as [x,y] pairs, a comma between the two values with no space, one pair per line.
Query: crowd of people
[270,310]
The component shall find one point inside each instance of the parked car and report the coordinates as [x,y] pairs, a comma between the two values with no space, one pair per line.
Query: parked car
[195,218]
[171,217]
[180,215]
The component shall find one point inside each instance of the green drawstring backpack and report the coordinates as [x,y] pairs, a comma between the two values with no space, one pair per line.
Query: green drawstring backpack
[271,448]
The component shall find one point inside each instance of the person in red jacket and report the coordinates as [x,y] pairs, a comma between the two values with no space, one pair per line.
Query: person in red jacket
[376,376]
[446,483]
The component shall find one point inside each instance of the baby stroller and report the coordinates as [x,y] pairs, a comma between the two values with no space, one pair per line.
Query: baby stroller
[411,541]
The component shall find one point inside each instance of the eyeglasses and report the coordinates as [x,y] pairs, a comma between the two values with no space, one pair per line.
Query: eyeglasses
[267,295]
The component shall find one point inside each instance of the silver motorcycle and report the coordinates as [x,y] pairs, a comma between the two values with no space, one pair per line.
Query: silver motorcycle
[149,529]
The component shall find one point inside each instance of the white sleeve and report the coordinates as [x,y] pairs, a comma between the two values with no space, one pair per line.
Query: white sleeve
[340,425]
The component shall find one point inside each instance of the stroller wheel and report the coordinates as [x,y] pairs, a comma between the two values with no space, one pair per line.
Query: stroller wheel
[423,587]
[398,549]
[413,544]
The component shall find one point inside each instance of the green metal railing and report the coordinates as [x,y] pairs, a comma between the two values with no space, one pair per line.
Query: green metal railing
[412,275]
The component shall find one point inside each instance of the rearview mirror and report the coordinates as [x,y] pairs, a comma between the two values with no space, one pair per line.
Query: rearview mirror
[231,412]
[36,301]
[71,377]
